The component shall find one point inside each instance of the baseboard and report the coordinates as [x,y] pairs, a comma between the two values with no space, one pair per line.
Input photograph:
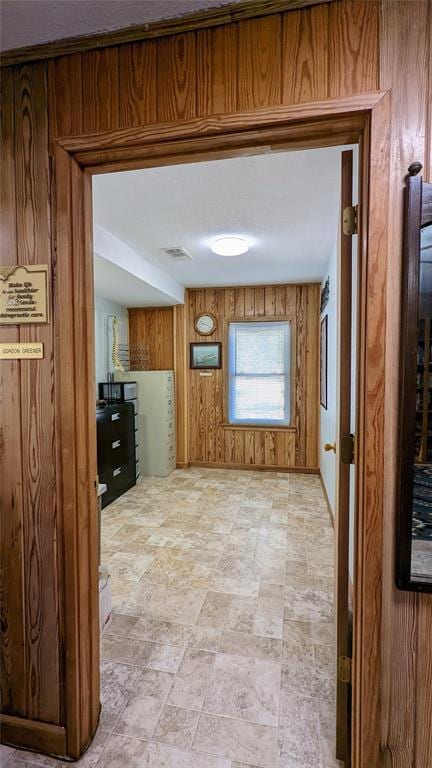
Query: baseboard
[329,509]
[33,734]
[182,465]
[254,467]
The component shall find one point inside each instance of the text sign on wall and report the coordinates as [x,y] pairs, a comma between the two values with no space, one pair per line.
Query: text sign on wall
[16,350]
[24,294]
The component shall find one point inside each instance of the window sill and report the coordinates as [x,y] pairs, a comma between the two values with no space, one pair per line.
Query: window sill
[259,427]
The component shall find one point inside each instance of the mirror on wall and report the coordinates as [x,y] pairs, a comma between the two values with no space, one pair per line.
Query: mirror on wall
[414,530]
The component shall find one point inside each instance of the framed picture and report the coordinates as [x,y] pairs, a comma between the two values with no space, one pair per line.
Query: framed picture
[206,354]
[323,362]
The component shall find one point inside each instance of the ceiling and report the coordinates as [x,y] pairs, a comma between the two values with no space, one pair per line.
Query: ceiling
[119,285]
[285,204]
[29,22]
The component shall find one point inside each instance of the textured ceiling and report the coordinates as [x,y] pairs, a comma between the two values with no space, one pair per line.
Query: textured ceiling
[29,22]
[286,205]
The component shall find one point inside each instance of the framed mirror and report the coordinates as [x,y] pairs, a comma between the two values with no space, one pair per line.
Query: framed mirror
[414,520]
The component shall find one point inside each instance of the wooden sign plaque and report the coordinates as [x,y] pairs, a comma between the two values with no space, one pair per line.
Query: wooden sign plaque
[24,294]
[18,350]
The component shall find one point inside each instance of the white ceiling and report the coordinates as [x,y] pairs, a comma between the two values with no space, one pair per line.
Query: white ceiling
[29,22]
[285,204]
[119,285]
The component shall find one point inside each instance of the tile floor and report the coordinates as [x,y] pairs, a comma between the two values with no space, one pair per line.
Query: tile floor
[220,651]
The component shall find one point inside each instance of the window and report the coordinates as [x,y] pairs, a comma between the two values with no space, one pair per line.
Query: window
[259,373]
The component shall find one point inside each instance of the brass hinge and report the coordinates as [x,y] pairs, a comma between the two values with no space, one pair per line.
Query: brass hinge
[347,448]
[344,669]
[350,220]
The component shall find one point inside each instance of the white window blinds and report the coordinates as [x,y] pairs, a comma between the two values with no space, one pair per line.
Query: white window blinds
[259,373]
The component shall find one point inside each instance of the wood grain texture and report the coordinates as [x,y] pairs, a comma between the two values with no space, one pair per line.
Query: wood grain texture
[152,328]
[13,656]
[137,83]
[176,77]
[211,439]
[259,65]
[407,675]
[100,90]
[181,362]
[245,62]
[37,403]
[217,55]
[353,47]
[305,51]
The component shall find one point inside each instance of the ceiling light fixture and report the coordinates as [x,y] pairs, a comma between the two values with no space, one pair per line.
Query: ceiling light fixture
[229,246]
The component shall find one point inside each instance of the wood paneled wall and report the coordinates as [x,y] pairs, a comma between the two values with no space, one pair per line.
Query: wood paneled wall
[343,48]
[153,329]
[211,441]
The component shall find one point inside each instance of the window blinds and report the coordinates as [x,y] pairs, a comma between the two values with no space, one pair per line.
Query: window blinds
[259,373]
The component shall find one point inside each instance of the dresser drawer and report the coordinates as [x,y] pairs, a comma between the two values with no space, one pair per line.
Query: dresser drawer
[118,480]
[114,452]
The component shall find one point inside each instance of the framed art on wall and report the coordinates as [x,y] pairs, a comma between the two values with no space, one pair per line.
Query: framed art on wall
[323,362]
[204,354]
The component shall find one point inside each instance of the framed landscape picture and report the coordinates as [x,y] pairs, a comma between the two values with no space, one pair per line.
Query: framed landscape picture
[206,354]
[323,362]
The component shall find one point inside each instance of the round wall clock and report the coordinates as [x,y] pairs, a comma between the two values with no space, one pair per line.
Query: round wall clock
[205,324]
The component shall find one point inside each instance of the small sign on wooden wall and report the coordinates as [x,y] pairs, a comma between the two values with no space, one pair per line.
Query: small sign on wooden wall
[24,294]
[17,350]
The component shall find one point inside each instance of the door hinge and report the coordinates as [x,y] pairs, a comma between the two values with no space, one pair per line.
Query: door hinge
[347,448]
[344,669]
[350,220]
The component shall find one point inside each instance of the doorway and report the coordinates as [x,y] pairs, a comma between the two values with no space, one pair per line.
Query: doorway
[243,527]
[74,186]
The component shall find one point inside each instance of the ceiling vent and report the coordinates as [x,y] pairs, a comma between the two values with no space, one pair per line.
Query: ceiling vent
[178,254]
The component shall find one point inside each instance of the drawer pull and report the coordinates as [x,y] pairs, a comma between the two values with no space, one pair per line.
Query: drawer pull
[116,444]
[115,416]
[116,472]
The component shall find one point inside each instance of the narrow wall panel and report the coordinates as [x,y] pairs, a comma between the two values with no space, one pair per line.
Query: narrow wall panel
[66,107]
[137,84]
[37,402]
[217,53]
[305,52]
[176,77]
[259,66]
[100,90]
[13,652]
[353,47]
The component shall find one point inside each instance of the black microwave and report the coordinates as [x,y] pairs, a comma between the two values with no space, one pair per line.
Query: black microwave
[118,391]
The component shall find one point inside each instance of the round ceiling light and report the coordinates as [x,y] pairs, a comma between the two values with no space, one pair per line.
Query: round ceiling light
[229,246]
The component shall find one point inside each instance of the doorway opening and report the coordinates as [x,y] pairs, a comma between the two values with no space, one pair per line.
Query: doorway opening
[362,119]
[218,381]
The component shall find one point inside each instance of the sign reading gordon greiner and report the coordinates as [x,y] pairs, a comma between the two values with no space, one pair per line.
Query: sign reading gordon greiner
[17,350]
[24,294]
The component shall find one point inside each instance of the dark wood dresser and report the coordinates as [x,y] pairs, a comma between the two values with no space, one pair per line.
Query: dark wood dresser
[116,449]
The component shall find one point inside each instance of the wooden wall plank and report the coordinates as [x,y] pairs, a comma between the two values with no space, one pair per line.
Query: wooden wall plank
[153,329]
[176,77]
[353,47]
[212,441]
[305,52]
[13,653]
[100,90]
[37,403]
[259,66]
[407,673]
[137,84]
[217,53]
[66,102]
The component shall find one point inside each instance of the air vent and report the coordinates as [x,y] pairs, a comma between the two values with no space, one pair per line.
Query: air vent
[178,254]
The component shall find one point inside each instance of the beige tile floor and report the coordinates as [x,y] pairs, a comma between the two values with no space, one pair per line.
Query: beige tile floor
[220,652]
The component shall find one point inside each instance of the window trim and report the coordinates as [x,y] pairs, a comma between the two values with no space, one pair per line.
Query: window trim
[260,424]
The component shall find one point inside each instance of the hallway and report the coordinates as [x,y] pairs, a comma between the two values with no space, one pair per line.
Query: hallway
[220,651]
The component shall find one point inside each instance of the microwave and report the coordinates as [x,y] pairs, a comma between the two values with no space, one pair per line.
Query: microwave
[118,391]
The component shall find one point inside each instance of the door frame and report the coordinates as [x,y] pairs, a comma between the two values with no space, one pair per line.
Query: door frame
[362,119]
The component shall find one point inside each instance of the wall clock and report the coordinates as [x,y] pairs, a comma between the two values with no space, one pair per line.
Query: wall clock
[205,324]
